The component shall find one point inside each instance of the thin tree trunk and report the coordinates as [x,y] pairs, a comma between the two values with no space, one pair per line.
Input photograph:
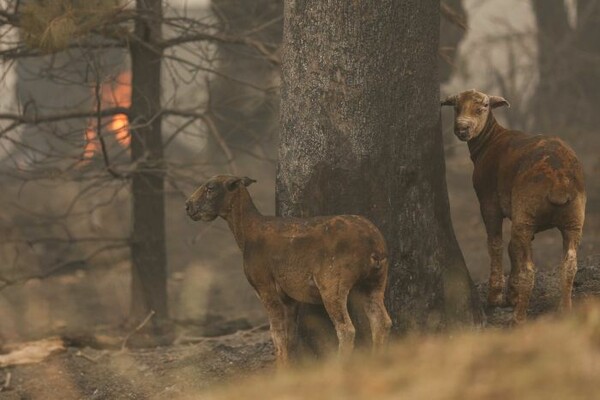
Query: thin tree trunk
[148,251]
[588,47]
[246,117]
[555,66]
[453,25]
[361,135]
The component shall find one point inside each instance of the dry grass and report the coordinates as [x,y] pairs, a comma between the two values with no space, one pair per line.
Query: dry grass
[547,359]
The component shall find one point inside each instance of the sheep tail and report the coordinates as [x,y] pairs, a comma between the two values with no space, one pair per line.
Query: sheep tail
[560,194]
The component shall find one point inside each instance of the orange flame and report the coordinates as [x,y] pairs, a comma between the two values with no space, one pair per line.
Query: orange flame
[113,94]
[91,143]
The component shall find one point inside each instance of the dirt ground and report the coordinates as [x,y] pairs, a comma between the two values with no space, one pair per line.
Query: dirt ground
[159,373]
[196,365]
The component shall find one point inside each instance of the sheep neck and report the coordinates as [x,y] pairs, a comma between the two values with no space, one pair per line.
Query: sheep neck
[242,217]
[480,143]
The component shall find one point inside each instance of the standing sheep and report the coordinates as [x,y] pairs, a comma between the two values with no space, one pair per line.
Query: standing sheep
[311,260]
[536,181]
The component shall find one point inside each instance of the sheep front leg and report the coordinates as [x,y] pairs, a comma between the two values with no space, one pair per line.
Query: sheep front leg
[493,226]
[291,325]
[277,321]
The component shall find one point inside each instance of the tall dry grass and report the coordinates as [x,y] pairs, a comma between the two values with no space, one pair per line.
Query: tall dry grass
[553,358]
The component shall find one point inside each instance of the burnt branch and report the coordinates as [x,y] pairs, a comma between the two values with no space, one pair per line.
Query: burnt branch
[59,268]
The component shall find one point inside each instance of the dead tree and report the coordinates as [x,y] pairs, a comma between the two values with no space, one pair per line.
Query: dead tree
[148,248]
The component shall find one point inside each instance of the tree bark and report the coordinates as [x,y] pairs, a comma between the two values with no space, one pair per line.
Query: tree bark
[361,135]
[148,249]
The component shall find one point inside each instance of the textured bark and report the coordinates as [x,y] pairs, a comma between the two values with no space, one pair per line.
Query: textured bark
[148,249]
[361,135]
[247,117]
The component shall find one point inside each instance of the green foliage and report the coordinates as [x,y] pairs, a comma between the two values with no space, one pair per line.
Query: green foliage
[50,25]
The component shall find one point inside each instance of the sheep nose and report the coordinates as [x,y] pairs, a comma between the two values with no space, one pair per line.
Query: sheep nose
[188,206]
[461,126]
[461,130]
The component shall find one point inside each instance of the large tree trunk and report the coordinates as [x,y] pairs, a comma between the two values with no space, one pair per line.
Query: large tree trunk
[361,135]
[148,250]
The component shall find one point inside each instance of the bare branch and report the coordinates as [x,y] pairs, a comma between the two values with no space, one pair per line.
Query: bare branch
[454,17]
[38,119]
[98,96]
[6,282]
[260,47]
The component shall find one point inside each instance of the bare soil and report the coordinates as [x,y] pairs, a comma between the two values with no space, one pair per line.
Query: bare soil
[158,373]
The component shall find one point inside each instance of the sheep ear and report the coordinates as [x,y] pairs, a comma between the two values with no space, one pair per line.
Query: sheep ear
[234,183]
[248,181]
[498,101]
[449,101]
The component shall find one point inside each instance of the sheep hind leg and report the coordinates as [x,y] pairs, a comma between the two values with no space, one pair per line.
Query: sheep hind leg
[522,269]
[379,319]
[335,300]
[568,268]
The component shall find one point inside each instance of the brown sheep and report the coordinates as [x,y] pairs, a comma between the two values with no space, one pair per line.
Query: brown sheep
[311,260]
[535,181]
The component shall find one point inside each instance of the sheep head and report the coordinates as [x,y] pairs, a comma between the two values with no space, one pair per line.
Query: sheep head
[214,198]
[472,109]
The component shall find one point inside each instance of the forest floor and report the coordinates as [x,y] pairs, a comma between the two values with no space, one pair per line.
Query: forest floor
[195,366]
